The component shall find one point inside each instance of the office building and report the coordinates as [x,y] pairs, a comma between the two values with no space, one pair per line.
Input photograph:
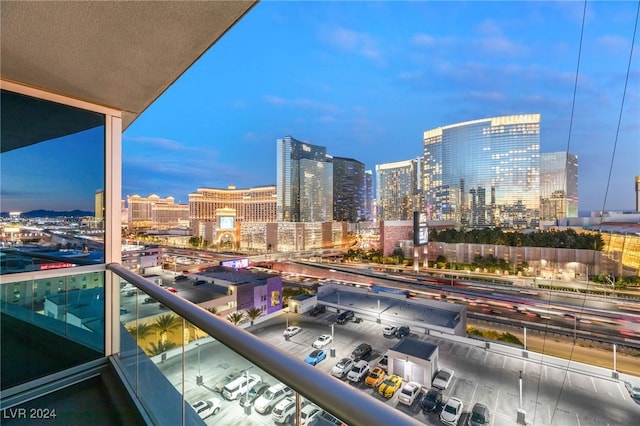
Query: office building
[369,200]
[398,189]
[349,190]
[465,161]
[304,176]
[558,185]
[638,193]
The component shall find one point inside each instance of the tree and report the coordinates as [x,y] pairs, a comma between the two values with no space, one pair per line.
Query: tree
[253,313]
[213,310]
[236,317]
[166,324]
[158,348]
[142,330]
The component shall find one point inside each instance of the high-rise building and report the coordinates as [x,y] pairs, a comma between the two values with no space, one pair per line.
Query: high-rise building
[304,182]
[558,185]
[348,190]
[370,210]
[153,212]
[250,205]
[398,192]
[638,193]
[500,154]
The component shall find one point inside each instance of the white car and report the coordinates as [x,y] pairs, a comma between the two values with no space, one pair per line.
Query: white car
[342,368]
[389,331]
[359,370]
[268,400]
[442,379]
[409,392]
[291,331]
[451,412]
[308,413]
[323,340]
[284,410]
[240,386]
[207,407]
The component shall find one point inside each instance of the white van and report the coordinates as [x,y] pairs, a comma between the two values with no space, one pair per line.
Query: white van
[240,386]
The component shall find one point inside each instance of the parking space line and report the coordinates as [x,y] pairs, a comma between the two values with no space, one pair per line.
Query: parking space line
[452,347]
[578,418]
[594,384]
[468,350]
[545,374]
[474,392]
[549,413]
[569,378]
[486,354]
[504,362]
[495,408]
[621,393]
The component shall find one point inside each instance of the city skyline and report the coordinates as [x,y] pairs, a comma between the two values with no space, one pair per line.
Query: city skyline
[339,75]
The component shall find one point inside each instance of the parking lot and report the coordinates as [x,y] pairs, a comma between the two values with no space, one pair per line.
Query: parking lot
[550,395]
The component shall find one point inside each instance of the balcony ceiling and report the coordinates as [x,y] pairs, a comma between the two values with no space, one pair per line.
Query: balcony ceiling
[119,54]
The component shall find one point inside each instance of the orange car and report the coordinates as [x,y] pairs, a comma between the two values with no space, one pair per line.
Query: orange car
[375,377]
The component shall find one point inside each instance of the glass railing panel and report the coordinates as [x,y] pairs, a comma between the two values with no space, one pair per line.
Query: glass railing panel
[64,312]
[172,365]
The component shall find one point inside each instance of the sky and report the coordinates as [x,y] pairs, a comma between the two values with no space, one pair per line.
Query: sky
[366,79]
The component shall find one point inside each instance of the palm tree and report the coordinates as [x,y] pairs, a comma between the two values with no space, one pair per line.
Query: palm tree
[141,331]
[165,324]
[236,317]
[254,313]
[158,348]
[213,310]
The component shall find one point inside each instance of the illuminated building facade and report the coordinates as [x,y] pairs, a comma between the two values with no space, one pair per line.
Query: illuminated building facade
[304,176]
[153,212]
[250,205]
[558,185]
[398,191]
[484,172]
[348,190]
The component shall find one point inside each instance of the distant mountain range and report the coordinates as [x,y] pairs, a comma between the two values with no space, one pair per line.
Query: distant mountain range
[50,213]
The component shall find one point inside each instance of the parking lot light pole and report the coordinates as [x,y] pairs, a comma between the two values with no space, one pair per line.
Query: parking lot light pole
[521,413]
[378,312]
[332,351]
[199,376]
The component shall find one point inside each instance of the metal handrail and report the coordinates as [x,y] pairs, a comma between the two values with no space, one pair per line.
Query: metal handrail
[351,406]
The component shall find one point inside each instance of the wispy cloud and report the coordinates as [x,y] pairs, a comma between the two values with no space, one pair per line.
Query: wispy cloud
[352,41]
[612,43]
[423,40]
[301,103]
[157,143]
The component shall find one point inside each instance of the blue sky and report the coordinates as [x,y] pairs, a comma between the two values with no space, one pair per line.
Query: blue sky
[366,79]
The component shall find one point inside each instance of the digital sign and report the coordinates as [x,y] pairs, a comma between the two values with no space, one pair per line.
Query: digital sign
[420,229]
[227,222]
[236,263]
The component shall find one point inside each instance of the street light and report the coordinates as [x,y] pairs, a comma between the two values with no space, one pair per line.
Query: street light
[199,376]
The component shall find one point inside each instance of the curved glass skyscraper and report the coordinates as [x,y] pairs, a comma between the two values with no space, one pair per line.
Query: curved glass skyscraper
[484,172]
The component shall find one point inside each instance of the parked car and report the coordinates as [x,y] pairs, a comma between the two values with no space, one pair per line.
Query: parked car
[451,411]
[239,386]
[479,415]
[383,363]
[342,368]
[402,331]
[315,357]
[308,413]
[361,351]
[344,317]
[219,386]
[284,410]
[359,370]
[317,310]
[265,402]
[432,400]
[323,340]
[199,282]
[291,331]
[253,394]
[634,391]
[172,289]
[181,278]
[409,392]
[390,385]
[149,300]
[375,377]
[206,407]
[443,378]
[389,331]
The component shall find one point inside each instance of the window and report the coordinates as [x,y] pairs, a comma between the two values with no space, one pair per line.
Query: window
[275,298]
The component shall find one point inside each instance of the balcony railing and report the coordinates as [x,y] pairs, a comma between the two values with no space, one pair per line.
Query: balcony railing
[208,349]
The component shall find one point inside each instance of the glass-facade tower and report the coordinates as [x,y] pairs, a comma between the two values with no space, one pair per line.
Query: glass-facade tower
[304,182]
[498,157]
[348,190]
[398,189]
[558,185]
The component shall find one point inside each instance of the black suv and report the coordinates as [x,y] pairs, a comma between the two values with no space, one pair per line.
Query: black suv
[344,317]
[432,401]
[402,331]
[361,351]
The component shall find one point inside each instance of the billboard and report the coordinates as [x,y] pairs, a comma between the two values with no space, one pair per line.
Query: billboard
[236,263]
[227,222]
[420,229]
